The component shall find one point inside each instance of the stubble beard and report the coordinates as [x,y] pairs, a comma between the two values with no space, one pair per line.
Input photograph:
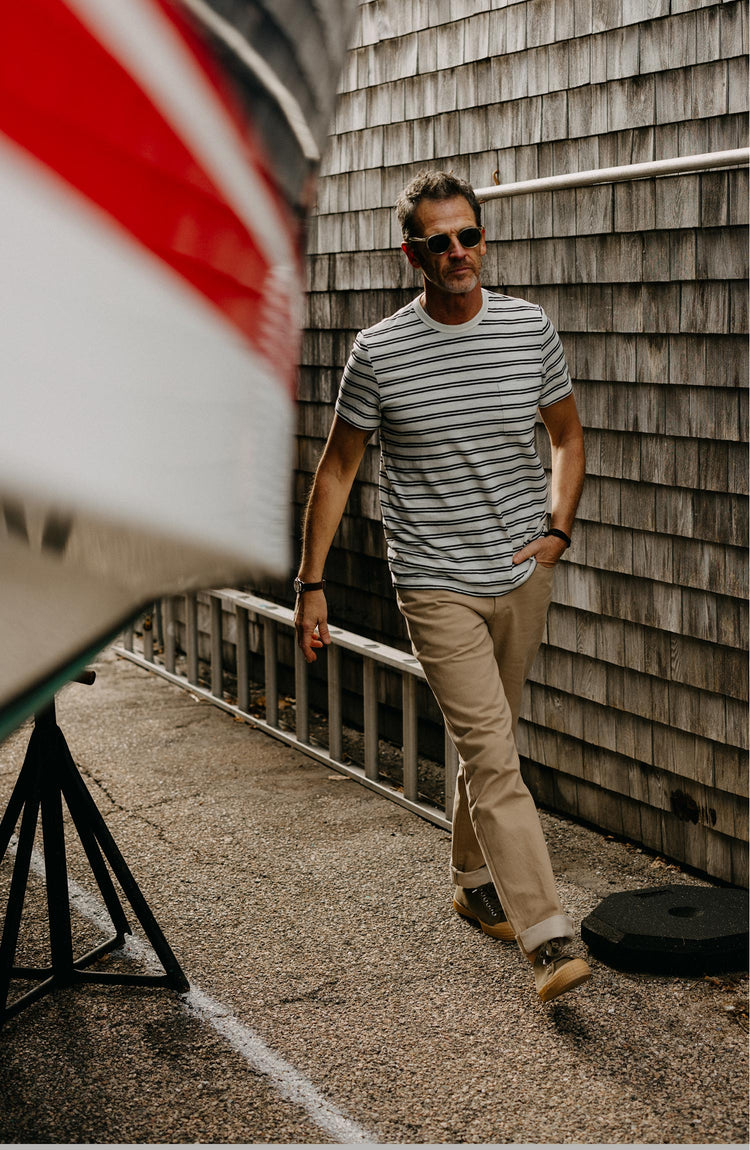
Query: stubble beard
[463,289]
[448,283]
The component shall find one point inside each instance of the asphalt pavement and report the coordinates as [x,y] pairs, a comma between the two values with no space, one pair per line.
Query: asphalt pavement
[335,995]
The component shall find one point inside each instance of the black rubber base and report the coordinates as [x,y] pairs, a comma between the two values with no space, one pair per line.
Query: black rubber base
[671,930]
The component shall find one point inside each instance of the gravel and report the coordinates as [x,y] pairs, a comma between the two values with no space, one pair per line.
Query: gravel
[319,915]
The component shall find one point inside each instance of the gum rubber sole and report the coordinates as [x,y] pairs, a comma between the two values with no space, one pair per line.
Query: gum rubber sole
[572,974]
[503,930]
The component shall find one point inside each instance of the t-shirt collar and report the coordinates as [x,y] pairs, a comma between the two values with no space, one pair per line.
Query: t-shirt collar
[454,328]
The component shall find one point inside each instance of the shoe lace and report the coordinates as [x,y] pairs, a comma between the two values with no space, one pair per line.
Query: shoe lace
[551,950]
[488,895]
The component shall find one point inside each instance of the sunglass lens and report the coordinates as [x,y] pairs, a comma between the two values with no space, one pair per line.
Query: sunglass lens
[469,237]
[439,243]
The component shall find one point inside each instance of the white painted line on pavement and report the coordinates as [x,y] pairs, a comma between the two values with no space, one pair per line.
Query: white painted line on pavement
[285,1080]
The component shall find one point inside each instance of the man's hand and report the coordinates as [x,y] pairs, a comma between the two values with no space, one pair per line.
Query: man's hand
[330,490]
[311,623]
[546,551]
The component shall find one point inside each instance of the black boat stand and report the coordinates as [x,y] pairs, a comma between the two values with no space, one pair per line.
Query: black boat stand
[47,776]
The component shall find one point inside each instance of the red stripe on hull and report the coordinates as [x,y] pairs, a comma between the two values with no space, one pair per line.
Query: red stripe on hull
[65,99]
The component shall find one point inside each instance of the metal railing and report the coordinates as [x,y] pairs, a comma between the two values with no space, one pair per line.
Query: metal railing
[678,166]
[270,617]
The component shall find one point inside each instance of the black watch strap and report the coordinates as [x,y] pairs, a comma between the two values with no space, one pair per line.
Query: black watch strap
[560,535]
[299,586]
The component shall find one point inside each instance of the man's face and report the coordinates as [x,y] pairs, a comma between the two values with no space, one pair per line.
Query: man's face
[457,270]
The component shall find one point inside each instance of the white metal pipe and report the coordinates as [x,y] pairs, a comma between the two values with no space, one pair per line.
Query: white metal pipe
[242,659]
[323,756]
[217,666]
[410,751]
[370,708]
[270,662]
[335,720]
[388,656]
[191,637]
[148,635]
[170,645]
[301,697]
[736,157]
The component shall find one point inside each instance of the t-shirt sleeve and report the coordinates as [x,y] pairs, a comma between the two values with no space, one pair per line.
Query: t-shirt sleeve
[358,400]
[556,384]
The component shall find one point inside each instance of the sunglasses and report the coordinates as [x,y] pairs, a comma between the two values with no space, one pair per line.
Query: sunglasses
[439,243]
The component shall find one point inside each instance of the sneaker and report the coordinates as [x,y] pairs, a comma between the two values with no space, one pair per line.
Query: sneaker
[483,905]
[555,971]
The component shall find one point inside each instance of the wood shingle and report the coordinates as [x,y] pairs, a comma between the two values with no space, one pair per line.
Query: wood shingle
[635,714]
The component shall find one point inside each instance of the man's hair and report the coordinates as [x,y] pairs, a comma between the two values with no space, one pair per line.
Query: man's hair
[432,186]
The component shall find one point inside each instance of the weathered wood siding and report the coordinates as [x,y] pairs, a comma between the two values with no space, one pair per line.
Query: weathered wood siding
[635,716]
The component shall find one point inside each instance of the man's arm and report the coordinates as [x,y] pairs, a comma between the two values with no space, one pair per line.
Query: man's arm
[333,481]
[568,472]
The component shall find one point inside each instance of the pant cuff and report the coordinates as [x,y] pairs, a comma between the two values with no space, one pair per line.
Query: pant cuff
[559,926]
[471,878]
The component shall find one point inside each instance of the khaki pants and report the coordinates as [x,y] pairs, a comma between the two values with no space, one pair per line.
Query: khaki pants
[476,653]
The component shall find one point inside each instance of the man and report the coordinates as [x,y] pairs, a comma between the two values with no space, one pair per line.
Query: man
[453,383]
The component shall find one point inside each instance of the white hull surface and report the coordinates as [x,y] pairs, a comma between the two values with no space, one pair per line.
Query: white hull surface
[154,176]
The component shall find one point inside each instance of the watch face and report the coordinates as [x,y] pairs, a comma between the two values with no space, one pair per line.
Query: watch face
[300,586]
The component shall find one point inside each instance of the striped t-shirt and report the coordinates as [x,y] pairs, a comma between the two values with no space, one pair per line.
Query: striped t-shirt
[461,485]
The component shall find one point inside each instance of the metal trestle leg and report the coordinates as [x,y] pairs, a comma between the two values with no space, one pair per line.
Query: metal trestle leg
[48,776]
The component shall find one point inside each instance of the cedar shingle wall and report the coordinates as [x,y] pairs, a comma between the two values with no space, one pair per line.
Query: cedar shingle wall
[635,716]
